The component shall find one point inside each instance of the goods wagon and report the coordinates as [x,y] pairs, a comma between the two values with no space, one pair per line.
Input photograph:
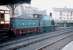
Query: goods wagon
[22,26]
[69,24]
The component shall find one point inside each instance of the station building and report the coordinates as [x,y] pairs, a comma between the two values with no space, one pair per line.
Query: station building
[63,15]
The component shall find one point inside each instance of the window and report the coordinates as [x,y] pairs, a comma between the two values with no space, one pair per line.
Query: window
[1,15]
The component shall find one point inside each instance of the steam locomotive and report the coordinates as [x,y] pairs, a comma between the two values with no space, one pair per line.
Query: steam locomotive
[22,26]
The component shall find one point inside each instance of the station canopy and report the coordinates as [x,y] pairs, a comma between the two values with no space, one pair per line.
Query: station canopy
[9,2]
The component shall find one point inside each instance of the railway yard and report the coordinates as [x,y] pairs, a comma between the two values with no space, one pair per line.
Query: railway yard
[36,25]
[55,40]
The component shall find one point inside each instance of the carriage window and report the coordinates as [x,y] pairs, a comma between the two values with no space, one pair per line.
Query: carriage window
[1,15]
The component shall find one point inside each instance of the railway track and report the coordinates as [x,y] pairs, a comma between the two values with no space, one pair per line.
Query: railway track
[32,40]
[33,37]
[50,42]
[58,45]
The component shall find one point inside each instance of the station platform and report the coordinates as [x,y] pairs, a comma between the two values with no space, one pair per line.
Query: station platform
[68,46]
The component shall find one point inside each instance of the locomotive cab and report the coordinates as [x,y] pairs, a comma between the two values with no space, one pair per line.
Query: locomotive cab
[46,23]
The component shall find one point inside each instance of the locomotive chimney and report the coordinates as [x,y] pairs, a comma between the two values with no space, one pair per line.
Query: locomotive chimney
[50,14]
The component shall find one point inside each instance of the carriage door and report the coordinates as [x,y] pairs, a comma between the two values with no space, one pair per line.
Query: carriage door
[2,20]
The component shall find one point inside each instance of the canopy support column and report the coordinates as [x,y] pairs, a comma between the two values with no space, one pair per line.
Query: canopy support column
[12,9]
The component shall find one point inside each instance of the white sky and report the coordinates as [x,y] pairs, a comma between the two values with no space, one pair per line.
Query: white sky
[45,4]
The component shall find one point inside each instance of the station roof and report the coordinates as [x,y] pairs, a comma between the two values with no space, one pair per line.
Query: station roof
[7,2]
